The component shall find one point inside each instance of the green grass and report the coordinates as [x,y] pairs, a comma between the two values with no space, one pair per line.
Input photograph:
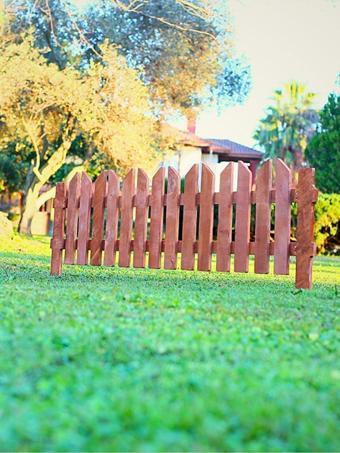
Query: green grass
[121,359]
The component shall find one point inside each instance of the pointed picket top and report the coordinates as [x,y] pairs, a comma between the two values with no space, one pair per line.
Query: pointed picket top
[193,171]
[142,180]
[281,165]
[207,171]
[173,177]
[159,176]
[74,181]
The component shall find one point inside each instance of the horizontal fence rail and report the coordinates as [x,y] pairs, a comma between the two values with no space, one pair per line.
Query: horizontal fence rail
[149,223]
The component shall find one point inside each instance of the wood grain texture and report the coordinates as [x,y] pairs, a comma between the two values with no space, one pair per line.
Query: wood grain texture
[172,219]
[206,219]
[84,218]
[128,191]
[98,219]
[306,196]
[263,216]
[156,224]
[189,218]
[111,227]
[242,224]
[58,229]
[283,182]
[72,218]
[142,209]
[225,219]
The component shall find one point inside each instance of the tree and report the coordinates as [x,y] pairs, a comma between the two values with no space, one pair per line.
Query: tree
[288,125]
[323,152]
[48,109]
[183,47]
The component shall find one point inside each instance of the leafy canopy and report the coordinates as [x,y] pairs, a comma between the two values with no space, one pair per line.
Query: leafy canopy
[289,124]
[323,151]
[183,48]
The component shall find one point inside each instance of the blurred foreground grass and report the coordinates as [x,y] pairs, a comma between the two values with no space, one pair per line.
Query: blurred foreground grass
[108,359]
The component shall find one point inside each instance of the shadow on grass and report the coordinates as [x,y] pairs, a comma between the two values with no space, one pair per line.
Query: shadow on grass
[35,267]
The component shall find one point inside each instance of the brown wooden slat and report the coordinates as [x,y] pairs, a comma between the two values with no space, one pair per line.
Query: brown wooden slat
[172,219]
[263,214]
[242,225]
[98,219]
[72,218]
[141,219]
[283,180]
[189,218]
[225,219]
[156,225]
[128,190]
[58,229]
[111,227]
[305,227]
[206,219]
[84,219]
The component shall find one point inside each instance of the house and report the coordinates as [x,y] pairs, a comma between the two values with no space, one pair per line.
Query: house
[216,153]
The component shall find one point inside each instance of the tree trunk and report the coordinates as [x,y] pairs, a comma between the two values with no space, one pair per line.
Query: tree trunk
[30,208]
[298,159]
[32,199]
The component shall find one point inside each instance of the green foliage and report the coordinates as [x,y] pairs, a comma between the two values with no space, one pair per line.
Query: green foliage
[288,125]
[327,223]
[107,359]
[323,152]
[52,110]
[182,47]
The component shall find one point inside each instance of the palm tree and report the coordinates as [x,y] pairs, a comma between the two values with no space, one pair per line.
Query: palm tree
[289,124]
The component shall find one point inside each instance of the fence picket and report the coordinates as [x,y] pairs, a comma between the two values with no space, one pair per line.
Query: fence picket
[172,219]
[283,181]
[306,196]
[128,191]
[225,219]
[242,225]
[58,229]
[73,204]
[189,218]
[141,219]
[156,225]
[206,219]
[84,218]
[111,218]
[72,219]
[263,217]
[98,219]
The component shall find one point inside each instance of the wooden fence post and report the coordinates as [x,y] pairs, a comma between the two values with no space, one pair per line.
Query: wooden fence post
[57,242]
[306,195]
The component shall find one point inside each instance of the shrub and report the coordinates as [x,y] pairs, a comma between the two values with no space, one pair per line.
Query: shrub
[327,223]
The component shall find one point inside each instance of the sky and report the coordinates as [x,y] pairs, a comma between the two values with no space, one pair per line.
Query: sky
[283,40]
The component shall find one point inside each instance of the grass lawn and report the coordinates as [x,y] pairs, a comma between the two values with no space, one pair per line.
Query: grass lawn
[120,359]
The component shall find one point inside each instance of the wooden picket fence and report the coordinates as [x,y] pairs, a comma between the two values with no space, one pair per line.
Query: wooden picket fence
[94,222]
